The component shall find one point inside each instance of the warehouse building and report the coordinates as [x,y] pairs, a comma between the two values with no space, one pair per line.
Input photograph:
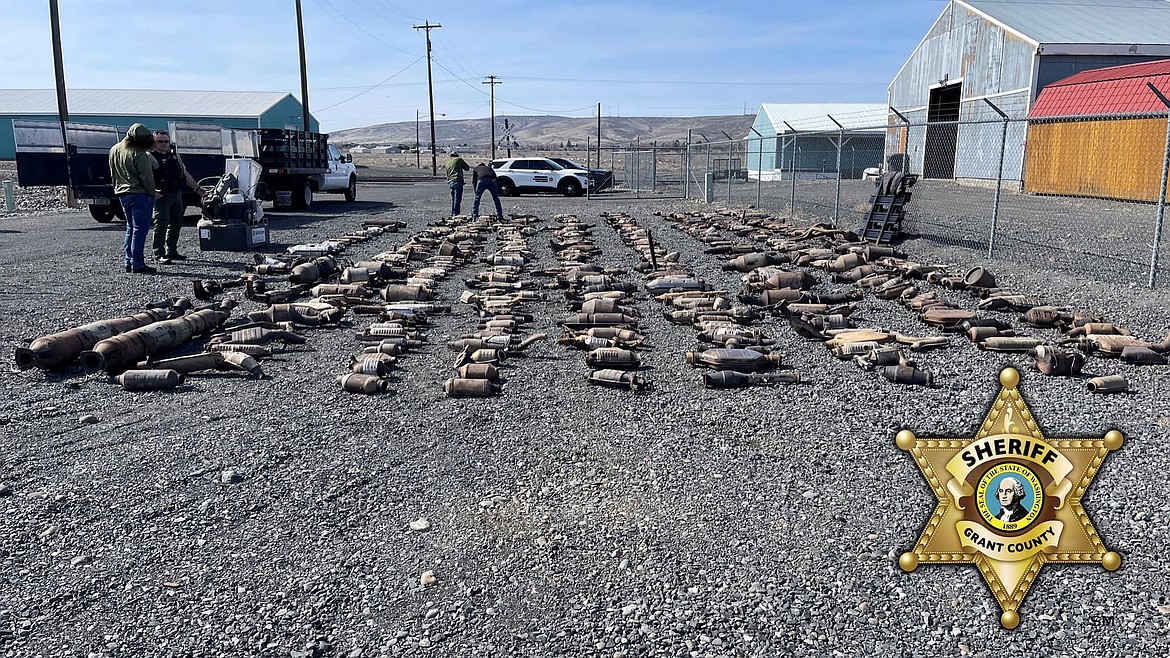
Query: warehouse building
[802,139]
[122,107]
[1005,52]
[1118,157]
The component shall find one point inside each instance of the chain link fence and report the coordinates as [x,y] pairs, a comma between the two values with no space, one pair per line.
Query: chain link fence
[1081,193]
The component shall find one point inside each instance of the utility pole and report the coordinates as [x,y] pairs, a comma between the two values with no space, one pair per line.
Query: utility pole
[304,69]
[417,150]
[491,80]
[62,103]
[427,27]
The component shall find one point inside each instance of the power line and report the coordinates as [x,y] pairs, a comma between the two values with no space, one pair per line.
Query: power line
[364,30]
[373,87]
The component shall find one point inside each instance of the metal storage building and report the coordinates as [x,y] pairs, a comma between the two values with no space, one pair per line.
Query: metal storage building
[153,108]
[1006,52]
[1118,157]
[802,137]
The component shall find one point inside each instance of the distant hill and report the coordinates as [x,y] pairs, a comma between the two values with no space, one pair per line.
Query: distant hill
[549,131]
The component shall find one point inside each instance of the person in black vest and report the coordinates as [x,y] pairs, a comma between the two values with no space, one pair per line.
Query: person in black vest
[483,178]
[171,178]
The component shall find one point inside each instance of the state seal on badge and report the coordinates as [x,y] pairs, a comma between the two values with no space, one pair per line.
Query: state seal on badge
[1009,499]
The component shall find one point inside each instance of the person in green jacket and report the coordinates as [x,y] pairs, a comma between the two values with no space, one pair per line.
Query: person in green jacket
[132,172]
[455,168]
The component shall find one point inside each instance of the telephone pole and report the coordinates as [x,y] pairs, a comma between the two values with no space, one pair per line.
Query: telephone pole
[304,71]
[491,80]
[62,101]
[427,27]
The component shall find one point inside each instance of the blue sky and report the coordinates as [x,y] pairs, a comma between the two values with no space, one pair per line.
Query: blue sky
[636,58]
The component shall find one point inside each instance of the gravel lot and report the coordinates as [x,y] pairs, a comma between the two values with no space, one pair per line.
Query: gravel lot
[565,519]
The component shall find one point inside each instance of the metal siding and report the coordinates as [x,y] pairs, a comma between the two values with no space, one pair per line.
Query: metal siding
[1059,67]
[1083,21]
[287,111]
[977,151]
[8,147]
[142,102]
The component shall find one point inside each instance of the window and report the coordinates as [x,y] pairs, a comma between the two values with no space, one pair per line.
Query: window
[334,154]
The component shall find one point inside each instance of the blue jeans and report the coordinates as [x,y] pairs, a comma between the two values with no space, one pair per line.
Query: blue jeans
[487,185]
[456,196]
[139,208]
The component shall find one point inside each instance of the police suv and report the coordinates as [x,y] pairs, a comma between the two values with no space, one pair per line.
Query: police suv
[516,175]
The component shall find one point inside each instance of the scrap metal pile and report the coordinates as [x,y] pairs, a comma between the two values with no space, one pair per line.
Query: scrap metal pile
[500,294]
[603,324]
[783,266]
[814,279]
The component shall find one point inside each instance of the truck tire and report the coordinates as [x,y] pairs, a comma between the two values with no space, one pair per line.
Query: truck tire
[351,190]
[303,196]
[506,187]
[570,187]
[103,214]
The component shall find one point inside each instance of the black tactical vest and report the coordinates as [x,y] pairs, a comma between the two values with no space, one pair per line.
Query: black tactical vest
[169,175]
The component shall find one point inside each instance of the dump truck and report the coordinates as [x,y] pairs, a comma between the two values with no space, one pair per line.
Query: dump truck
[295,164]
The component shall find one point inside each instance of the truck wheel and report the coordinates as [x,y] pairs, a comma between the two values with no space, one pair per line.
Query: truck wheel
[506,187]
[103,214]
[303,196]
[351,191]
[571,188]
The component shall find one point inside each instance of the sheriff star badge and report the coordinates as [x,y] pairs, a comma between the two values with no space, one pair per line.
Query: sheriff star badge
[1009,500]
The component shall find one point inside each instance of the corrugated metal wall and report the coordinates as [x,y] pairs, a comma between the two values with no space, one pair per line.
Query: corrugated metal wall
[989,61]
[1117,159]
[286,112]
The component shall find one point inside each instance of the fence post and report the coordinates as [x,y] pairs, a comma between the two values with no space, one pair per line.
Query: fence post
[730,152]
[998,179]
[837,196]
[1156,250]
[637,173]
[903,163]
[9,197]
[687,168]
[792,172]
[654,165]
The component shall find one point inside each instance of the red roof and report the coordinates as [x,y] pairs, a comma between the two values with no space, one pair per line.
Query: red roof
[1113,90]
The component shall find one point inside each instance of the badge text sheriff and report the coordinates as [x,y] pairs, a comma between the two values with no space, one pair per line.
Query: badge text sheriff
[982,451]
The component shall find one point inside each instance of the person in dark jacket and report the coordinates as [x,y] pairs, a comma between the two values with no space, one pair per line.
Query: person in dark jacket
[171,179]
[483,178]
[132,173]
[455,168]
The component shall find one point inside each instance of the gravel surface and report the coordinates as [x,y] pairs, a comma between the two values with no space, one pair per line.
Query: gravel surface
[284,517]
[31,200]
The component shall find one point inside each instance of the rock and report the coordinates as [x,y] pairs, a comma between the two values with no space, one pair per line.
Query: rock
[230,476]
[5,490]
[428,579]
[420,525]
[81,560]
[424,642]
[87,419]
[49,531]
[432,613]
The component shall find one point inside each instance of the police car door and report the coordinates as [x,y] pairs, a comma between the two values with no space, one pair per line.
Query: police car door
[522,173]
[335,178]
[542,174]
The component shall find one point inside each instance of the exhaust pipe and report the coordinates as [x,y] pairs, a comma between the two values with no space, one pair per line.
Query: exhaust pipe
[359,383]
[1110,384]
[908,375]
[614,378]
[207,361]
[60,348]
[149,380]
[734,379]
[471,388]
[120,352]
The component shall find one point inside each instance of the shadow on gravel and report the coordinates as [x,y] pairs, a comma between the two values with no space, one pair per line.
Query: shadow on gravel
[8,230]
[117,227]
